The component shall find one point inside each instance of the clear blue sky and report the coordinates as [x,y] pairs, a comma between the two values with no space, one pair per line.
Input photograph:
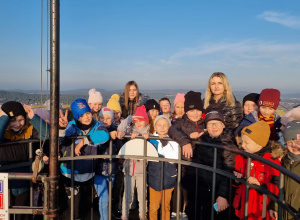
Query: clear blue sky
[158,43]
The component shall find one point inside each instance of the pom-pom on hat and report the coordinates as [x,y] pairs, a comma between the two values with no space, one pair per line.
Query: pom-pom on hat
[152,104]
[269,98]
[13,109]
[106,111]
[193,101]
[214,114]
[163,116]
[293,114]
[95,96]
[259,132]
[114,103]
[141,114]
[79,107]
[251,97]
[292,131]
[179,98]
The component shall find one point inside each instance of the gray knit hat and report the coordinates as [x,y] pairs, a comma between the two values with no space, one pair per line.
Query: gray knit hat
[292,131]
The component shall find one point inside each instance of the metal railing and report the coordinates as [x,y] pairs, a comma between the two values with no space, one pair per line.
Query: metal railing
[276,198]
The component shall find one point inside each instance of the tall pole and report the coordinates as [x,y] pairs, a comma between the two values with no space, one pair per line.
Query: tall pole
[54,106]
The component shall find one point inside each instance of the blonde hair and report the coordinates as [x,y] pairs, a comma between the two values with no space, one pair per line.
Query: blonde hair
[126,94]
[228,95]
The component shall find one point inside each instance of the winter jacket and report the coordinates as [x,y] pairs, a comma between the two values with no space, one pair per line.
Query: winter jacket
[96,136]
[225,161]
[15,153]
[142,100]
[266,175]
[291,188]
[252,118]
[167,149]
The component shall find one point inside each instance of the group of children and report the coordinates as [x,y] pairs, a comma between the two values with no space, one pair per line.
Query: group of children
[257,134]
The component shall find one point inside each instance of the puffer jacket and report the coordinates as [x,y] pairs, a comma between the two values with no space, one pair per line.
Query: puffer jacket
[291,188]
[225,161]
[266,175]
[142,100]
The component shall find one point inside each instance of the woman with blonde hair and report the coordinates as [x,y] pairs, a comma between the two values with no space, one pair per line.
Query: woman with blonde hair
[219,95]
[131,98]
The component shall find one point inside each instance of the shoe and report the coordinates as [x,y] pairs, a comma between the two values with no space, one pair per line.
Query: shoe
[183,216]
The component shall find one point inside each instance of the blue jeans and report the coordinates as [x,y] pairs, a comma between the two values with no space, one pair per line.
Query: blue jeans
[101,184]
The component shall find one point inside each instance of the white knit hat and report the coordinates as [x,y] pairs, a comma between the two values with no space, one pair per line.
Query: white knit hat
[106,111]
[95,96]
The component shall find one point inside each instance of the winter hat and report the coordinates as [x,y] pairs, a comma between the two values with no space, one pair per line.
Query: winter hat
[259,132]
[293,114]
[251,97]
[214,114]
[193,101]
[141,114]
[162,116]
[269,98]
[43,113]
[106,111]
[79,107]
[13,109]
[292,131]
[95,96]
[152,104]
[179,98]
[114,103]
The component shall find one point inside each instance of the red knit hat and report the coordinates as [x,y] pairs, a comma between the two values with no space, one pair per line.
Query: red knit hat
[141,114]
[269,98]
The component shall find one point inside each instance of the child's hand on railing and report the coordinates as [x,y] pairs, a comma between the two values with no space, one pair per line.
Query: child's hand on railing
[133,135]
[120,134]
[253,180]
[187,151]
[146,135]
[78,147]
[273,214]
[238,175]
[113,134]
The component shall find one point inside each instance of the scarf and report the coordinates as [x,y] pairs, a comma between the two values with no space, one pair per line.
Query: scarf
[271,123]
[84,127]
[23,134]
[293,157]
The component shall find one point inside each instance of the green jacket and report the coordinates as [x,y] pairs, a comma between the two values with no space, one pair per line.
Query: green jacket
[291,188]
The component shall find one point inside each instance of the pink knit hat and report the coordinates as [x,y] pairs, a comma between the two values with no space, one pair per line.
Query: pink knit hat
[179,98]
[95,96]
[141,114]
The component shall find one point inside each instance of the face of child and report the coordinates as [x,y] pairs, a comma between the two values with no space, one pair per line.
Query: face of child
[17,123]
[86,118]
[249,145]
[140,124]
[179,109]
[152,113]
[194,115]
[165,106]
[215,128]
[216,86]
[117,116]
[249,107]
[106,120]
[266,111]
[95,107]
[293,147]
[132,92]
[162,126]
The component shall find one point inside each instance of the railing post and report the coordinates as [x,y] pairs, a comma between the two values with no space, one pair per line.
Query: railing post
[280,195]
[110,179]
[213,193]
[144,179]
[178,203]
[247,189]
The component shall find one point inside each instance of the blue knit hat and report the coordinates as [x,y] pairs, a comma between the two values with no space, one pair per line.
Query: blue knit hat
[79,107]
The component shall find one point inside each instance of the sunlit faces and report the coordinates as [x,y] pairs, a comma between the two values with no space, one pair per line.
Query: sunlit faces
[215,128]
[249,106]
[140,124]
[106,120]
[249,145]
[266,111]
[117,116]
[165,106]
[17,123]
[152,113]
[86,118]
[293,147]
[95,107]
[194,115]
[162,126]
[132,92]
[179,109]
[217,86]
